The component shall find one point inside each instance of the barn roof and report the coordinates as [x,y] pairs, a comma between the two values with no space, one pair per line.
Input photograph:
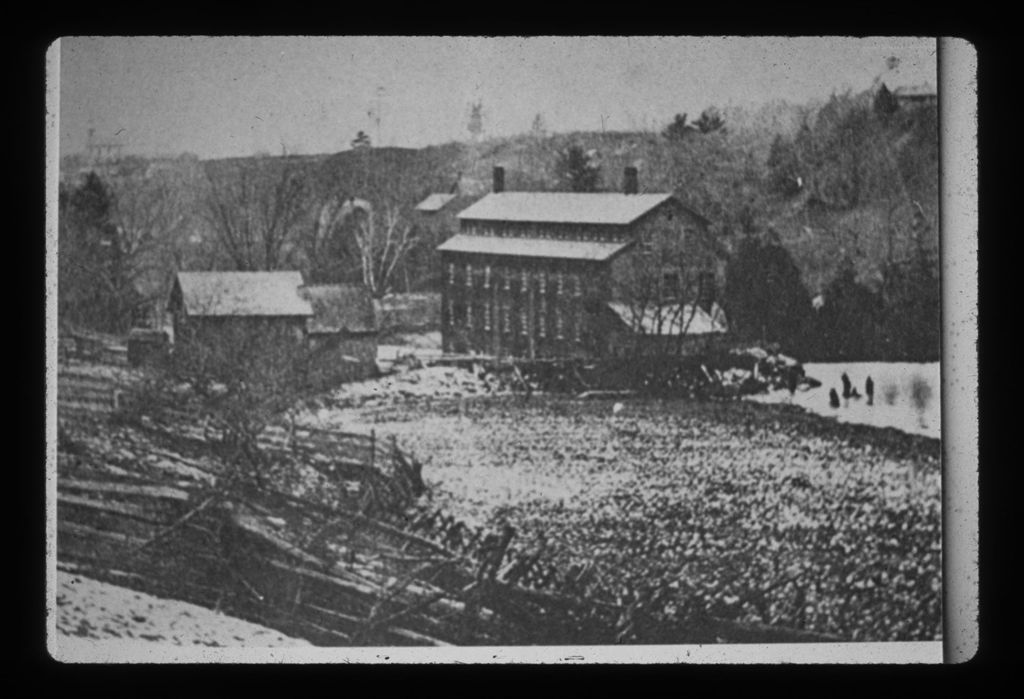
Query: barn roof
[434,202]
[340,308]
[671,319]
[596,251]
[923,90]
[564,207]
[220,294]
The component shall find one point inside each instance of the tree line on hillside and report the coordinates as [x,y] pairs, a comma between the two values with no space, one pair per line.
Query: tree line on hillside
[123,234]
[862,172]
[828,228]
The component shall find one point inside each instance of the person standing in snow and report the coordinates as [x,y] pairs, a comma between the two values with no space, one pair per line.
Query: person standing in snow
[791,381]
[869,390]
[833,398]
[846,385]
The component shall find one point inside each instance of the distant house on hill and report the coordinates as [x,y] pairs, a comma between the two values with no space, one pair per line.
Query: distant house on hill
[438,212]
[532,274]
[336,323]
[434,203]
[909,96]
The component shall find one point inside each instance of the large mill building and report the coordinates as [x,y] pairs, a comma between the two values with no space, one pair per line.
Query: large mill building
[554,274]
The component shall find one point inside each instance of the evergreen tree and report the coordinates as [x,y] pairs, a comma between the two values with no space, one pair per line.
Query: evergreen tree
[93,286]
[579,170]
[361,141]
[710,120]
[678,130]
[846,328]
[783,168]
[885,104]
[911,293]
[765,299]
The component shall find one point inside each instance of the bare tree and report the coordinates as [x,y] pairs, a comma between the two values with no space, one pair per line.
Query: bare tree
[665,282]
[118,237]
[384,237]
[363,227]
[151,216]
[255,209]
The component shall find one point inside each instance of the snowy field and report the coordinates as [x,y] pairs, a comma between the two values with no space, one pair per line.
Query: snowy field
[906,395]
[735,501]
[96,619]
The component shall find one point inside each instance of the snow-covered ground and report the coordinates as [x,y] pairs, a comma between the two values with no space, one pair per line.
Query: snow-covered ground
[424,346]
[906,395]
[432,382]
[96,619]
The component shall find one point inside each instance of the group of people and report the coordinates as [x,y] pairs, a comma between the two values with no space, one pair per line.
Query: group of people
[850,391]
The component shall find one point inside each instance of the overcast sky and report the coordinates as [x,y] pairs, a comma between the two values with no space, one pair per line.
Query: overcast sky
[219,97]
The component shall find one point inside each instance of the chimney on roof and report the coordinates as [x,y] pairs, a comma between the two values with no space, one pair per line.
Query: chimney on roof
[499,179]
[630,181]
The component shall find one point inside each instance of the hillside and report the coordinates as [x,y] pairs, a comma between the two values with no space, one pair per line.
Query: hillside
[728,175]
[845,188]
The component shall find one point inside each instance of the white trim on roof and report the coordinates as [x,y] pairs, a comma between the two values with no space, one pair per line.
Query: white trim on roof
[610,208]
[533,247]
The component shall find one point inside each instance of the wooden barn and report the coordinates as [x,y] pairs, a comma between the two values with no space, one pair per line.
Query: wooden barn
[532,274]
[335,323]
[202,303]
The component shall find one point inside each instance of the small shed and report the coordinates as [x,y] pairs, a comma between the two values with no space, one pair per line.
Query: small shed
[342,331]
[663,329]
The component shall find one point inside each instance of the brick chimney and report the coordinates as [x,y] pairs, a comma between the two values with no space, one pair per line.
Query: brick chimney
[630,181]
[499,179]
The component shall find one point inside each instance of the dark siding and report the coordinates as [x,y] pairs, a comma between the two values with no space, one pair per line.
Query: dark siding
[480,314]
[517,306]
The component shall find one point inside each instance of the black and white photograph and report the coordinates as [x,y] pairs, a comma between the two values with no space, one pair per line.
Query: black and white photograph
[504,349]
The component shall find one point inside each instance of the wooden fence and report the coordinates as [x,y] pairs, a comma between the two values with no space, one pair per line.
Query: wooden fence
[359,572]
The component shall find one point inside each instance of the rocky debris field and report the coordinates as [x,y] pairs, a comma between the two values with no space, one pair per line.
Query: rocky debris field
[86,609]
[761,514]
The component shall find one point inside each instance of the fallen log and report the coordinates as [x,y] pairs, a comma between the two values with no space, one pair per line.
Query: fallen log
[116,508]
[149,491]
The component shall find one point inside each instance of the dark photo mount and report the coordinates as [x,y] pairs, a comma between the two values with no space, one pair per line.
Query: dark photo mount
[665,370]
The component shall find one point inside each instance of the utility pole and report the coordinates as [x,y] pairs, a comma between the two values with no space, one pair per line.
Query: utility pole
[377,112]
